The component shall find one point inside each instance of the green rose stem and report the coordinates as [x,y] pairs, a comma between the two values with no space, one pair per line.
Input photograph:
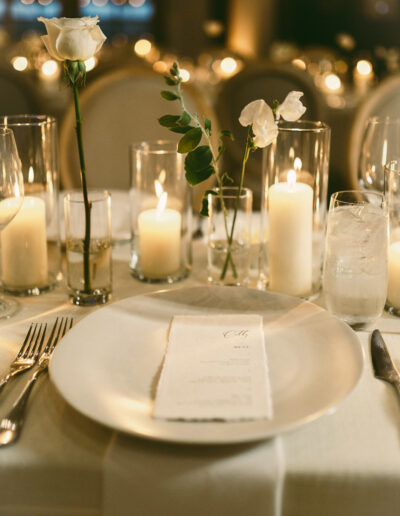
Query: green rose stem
[76,72]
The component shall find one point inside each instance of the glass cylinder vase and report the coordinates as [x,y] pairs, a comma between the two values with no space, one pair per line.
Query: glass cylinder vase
[161,213]
[89,277]
[392,194]
[294,206]
[229,236]
[31,242]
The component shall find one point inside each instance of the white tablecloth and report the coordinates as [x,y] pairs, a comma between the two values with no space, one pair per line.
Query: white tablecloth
[346,463]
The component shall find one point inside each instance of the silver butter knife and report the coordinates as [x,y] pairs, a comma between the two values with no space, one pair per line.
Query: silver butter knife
[384,367]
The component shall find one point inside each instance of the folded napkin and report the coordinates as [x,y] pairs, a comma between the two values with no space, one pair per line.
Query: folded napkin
[215,368]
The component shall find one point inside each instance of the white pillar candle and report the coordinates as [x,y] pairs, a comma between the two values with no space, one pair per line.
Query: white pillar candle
[160,242]
[24,247]
[290,237]
[393,294]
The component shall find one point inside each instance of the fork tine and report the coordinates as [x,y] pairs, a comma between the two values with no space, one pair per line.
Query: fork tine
[28,340]
[53,330]
[37,339]
[61,331]
[39,343]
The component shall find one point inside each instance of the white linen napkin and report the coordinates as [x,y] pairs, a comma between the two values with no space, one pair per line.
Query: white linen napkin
[152,479]
[214,368]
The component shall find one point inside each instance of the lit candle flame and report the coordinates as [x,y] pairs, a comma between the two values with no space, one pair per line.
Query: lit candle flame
[162,202]
[158,188]
[31,175]
[291,180]
[297,164]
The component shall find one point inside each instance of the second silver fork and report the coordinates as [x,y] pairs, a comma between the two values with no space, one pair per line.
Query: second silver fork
[28,354]
[11,425]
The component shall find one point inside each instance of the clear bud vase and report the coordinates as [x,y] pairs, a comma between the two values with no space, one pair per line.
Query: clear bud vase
[229,236]
[93,286]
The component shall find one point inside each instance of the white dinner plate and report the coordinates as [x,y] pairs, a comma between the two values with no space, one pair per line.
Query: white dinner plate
[107,366]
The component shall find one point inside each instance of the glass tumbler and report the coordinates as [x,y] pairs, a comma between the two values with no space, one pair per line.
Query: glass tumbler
[355,273]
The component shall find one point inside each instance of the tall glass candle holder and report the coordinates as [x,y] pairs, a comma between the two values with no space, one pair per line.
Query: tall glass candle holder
[161,213]
[31,250]
[293,209]
[392,194]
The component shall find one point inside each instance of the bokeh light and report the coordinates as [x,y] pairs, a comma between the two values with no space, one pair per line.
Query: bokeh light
[364,67]
[19,63]
[49,68]
[142,47]
[228,65]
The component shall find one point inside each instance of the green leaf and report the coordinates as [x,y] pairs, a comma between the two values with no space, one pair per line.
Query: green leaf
[170,81]
[190,141]
[207,125]
[196,177]
[227,133]
[184,119]
[204,202]
[174,69]
[169,95]
[168,120]
[198,159]
[181,130]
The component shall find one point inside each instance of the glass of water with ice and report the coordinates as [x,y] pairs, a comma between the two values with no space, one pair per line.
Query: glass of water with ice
[355,273]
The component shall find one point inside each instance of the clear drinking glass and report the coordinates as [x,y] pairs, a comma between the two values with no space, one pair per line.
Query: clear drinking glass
[40,248]
[355,271]
[100,264]
[161,213]
[229,236]
[380,145]
[11,199]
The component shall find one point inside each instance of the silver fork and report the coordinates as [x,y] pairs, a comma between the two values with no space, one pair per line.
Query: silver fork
[11,425]
[28,354]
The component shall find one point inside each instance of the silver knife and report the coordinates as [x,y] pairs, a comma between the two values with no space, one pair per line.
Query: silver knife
[384,367]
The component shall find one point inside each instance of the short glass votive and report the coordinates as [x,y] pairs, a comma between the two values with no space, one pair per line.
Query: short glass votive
[92,284]
[392,193]
[355,273]
[30,244]
[293,208]
[161,213]
[229,250]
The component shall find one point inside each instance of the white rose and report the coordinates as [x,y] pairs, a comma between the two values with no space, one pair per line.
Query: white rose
[291,108]
[260,116]
[75,39]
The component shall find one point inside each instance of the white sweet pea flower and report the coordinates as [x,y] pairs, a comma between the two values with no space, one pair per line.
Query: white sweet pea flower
[291,108]
[261,118]
[73,39]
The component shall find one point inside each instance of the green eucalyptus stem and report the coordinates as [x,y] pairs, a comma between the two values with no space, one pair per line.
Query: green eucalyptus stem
[229,257]
[246,155]
[75,71]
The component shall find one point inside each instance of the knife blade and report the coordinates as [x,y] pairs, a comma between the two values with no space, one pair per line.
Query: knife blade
[384,367]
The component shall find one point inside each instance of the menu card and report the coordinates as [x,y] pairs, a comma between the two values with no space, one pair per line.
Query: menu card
[215,368]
